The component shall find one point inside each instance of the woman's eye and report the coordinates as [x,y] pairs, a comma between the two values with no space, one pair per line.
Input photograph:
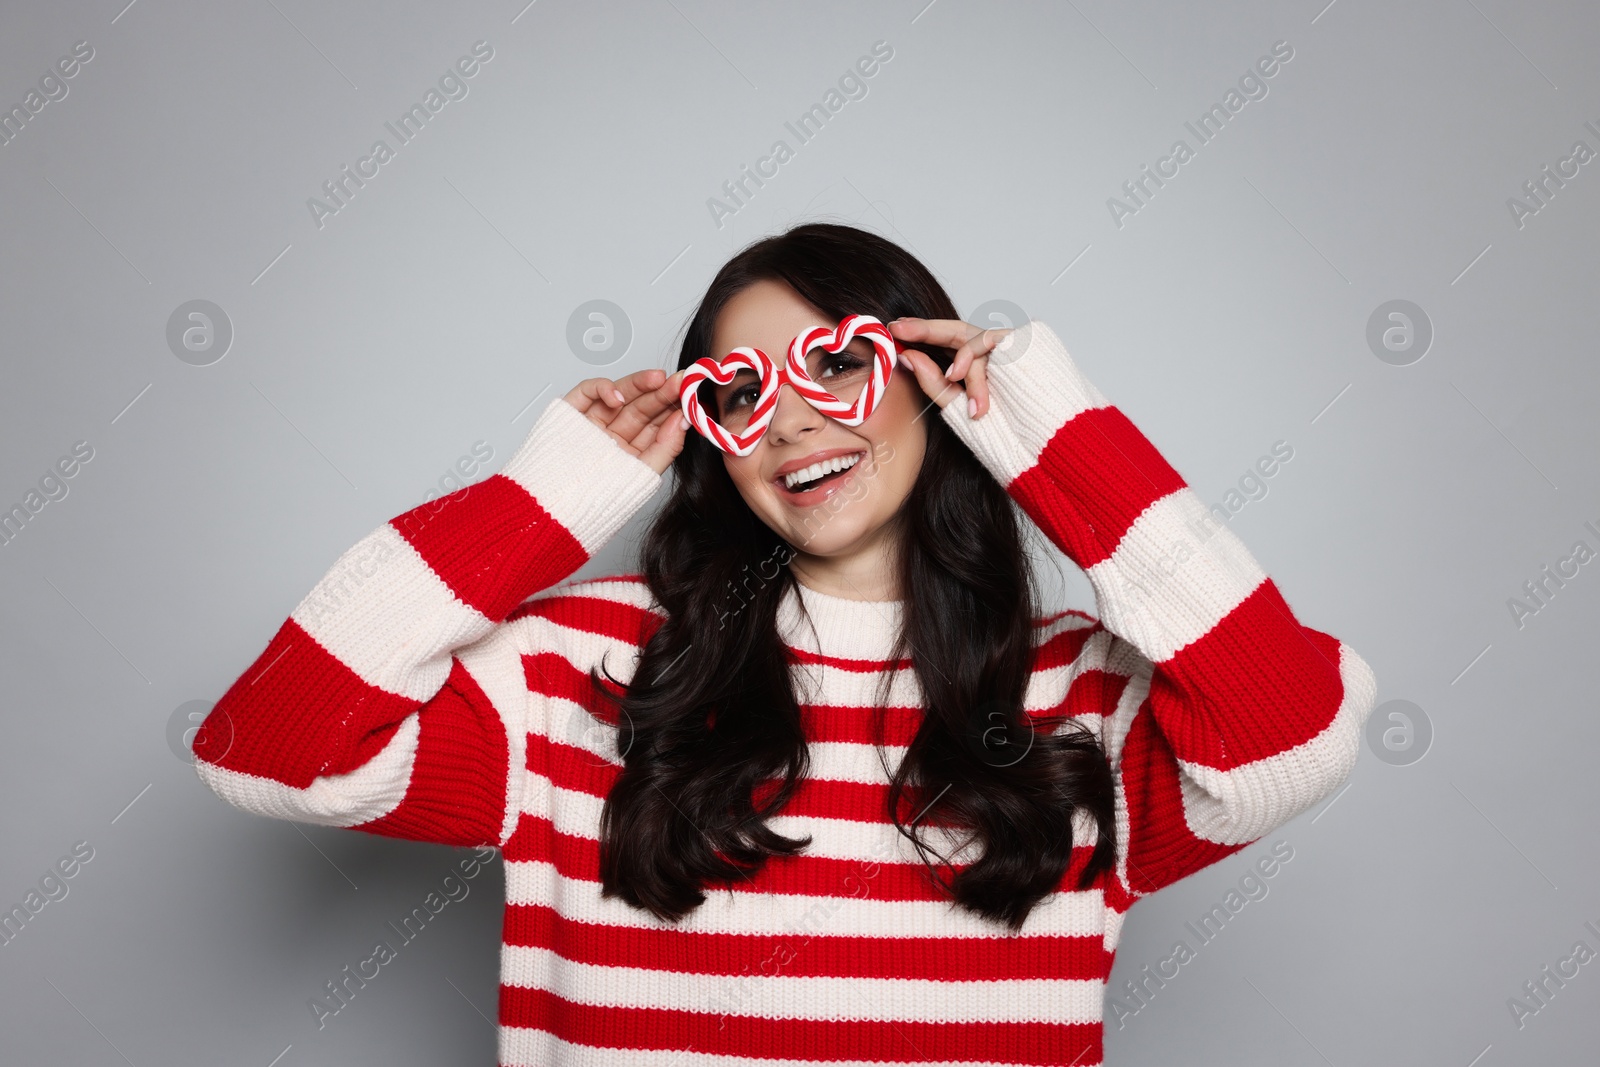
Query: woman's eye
[842,364]
[741,395]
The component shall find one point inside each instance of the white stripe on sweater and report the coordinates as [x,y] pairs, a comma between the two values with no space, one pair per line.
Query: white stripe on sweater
[1114,737]
[577,814]
[580,474]
[630,592]
[371,790]
[493,663]
[1138,588]
[1070,913]
[522,1046]
[384,613]
[1239,805]
[780,996]
[1035,389]
[377,787]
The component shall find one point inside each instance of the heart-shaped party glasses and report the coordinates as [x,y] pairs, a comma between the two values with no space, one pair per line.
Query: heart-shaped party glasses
[852,390]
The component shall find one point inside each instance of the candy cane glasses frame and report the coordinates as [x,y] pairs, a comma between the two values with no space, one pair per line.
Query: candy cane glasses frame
[851,411]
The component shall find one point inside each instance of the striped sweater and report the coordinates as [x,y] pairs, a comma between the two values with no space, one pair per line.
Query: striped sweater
[433,686]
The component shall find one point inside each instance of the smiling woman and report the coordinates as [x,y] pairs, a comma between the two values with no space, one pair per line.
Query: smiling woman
[890,807]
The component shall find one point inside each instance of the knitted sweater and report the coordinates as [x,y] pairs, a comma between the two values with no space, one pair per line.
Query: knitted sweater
[433,686]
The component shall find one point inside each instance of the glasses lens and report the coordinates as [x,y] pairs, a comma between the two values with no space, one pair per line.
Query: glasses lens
[845,372]
[733,403]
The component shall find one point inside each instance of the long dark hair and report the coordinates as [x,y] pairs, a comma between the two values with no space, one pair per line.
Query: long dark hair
[699,743]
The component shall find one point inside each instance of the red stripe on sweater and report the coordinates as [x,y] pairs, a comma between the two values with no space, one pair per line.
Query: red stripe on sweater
[594,615]
[1061,649]
[580,771]
[1094,692]
[808,951]
[578,858]
[874,666]
[1045,620]
[298,713]
[551,674]
[565,755]
[491,543]
[457,793]
[1162,849]
[1109,472]
[708,1032]
[857,666]
[576,767]
[1255,685]
[1056,515]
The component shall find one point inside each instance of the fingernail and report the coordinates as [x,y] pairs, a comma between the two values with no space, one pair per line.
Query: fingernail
[950,373]
[972,407]
[618,394]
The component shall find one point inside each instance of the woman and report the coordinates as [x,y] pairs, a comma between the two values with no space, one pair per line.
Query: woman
[820,782]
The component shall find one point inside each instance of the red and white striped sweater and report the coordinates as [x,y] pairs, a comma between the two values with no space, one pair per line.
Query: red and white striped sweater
[433,686]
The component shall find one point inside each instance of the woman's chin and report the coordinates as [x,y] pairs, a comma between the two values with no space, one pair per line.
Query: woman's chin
[824,533]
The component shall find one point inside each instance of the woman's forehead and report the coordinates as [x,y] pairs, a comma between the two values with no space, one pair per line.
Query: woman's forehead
[768,332]
[778,347]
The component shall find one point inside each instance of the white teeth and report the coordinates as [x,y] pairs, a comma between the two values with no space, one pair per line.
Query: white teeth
[817,470]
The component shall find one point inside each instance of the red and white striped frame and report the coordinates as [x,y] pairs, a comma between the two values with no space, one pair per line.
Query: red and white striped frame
[794,372]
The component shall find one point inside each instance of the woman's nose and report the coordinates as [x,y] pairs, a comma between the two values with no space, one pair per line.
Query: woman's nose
[792,416]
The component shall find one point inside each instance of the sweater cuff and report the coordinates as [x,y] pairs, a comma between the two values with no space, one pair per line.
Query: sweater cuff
[1035,388]
[991,438]
[581,474]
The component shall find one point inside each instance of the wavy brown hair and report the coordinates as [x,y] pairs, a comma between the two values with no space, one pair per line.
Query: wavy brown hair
[698,745]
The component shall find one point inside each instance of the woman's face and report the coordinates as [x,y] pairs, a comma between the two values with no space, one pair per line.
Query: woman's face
[849,512]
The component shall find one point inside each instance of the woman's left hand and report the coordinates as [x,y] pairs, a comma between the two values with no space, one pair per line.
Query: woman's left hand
[970,365]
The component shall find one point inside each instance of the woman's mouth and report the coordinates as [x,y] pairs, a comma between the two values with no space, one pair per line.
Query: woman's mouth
[819,481]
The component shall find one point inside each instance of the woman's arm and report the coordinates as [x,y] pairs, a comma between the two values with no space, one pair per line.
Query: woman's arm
[1232,717]
[393,700]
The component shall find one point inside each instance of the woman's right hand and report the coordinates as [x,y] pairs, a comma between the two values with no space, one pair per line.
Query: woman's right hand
[641,411]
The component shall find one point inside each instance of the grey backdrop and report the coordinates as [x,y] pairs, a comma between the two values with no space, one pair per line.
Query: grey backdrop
[1241,305]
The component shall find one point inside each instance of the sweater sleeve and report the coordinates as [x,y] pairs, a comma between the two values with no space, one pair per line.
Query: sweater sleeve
[1222,715]
[395,699]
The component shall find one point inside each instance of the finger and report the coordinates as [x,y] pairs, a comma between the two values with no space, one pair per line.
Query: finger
[639,383]
[642,439]
[666,443]
[979,344]
[591,396]
[931,378]
[660,392]
[601,398]
[648,405]
[941,333]
[977,383]
[622,391]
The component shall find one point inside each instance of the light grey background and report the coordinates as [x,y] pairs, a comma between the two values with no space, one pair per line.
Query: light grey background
[1229,313]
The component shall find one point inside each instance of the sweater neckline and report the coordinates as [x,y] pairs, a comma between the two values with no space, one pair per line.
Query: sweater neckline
[844,628]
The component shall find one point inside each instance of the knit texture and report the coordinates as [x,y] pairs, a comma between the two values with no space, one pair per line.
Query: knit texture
[434,686]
